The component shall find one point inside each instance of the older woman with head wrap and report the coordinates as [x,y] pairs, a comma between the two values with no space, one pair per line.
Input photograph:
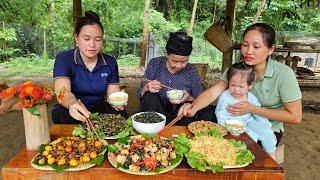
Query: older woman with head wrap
[174,71]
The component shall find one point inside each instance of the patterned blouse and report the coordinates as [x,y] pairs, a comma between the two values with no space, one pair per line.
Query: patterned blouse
[187,79]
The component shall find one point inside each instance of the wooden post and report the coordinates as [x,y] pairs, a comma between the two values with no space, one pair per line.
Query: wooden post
[144,45]
[227,56]
[77,14]
[192,17]
[36,128]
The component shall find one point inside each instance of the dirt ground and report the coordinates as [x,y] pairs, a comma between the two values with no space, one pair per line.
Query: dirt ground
[302,145]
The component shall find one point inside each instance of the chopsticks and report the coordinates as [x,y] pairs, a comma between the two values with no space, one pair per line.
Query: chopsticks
[90,127]
[172,122]
[89,124]
[148,80]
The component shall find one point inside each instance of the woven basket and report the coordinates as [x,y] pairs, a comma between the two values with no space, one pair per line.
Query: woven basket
[218,37]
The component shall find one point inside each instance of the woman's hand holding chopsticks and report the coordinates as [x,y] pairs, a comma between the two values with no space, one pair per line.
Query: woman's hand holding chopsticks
[154,86]
[78,111]
[157,84]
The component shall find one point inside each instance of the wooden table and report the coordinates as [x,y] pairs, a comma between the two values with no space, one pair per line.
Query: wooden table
[263,167]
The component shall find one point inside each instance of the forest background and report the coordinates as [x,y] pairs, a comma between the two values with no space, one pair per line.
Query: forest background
[32,32]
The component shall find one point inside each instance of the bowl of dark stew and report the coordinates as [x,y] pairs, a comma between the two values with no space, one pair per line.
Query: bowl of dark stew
[148,122]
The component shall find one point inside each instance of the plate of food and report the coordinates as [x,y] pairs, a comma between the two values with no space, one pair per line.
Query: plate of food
[213,152]
[107,126]
[70,154]
[144,155]
[202,126]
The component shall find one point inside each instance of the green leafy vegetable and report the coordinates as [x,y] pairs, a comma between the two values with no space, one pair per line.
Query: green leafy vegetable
[36,162]
[196,161]
[149,135]
[112,148]
[125,133]
[216,168]
[148,117]
[60,168]
[106,125]
[98,160]
[79,131]
[214,131]
[181,144]
[41,148]
[124,140]
[238,144]
[129,121]
[244,156]
[177,159]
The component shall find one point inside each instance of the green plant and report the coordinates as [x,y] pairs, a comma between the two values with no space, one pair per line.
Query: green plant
[7,35]
[29,66]
[128,60]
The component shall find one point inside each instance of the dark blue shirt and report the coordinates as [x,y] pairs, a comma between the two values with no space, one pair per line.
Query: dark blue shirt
[89,87]
[187,79]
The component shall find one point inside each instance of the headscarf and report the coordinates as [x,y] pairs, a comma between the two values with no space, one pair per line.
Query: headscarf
[179,43]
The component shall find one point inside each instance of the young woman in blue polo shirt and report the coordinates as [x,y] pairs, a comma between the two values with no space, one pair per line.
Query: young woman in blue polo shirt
[276,85]
[86,74]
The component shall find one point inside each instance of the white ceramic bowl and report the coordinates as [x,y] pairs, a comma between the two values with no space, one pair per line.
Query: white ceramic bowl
[118,98]
[235,127]
[148,127]
[175,94]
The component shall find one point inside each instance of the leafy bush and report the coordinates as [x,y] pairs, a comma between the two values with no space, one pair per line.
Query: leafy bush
[29,66]
[128,60]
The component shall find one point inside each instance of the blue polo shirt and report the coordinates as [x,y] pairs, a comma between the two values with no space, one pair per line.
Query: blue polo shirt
[89,87]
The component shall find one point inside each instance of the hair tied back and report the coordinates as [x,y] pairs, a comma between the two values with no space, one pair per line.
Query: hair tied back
[92,15]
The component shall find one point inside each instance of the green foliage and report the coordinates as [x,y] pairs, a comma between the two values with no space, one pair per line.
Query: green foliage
[7,35]
[34,110]
[283,15]
[124,19]
[160,28]
[29,66]
[120,18]
[128,60]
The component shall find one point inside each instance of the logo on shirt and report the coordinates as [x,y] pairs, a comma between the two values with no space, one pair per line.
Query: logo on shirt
[104,74]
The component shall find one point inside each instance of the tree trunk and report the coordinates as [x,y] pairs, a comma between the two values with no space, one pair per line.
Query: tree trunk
[214,13]
[169,8]
[230,11]
[44,42]
[144,45]
[77,13]
[192,17]
[259,11]
[161,6]
[5,56]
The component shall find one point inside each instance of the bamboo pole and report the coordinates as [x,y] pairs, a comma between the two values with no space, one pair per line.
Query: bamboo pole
[195,4]
[144,45]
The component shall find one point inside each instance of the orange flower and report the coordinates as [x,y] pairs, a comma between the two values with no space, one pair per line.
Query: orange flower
[27,83]
[8,93]
[30,94]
